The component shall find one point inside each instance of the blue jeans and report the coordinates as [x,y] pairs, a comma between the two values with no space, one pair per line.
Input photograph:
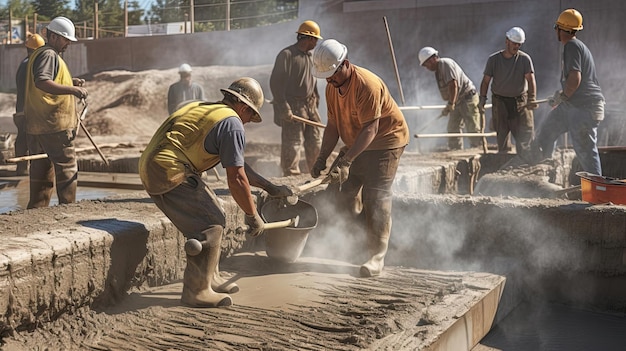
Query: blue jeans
[582,125]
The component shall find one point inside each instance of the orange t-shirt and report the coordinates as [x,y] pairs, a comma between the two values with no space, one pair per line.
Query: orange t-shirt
[366,99]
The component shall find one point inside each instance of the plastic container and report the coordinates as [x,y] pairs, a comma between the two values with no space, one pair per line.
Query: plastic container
[598,189]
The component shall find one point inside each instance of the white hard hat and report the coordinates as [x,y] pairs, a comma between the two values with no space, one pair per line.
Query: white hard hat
[184,68]
[63,27]
[425,53]
[516,35]
[327,57]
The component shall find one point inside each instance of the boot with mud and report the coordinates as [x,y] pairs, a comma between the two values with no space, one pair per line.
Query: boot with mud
[377,247]
[221,285]
[378,233]
[199,274]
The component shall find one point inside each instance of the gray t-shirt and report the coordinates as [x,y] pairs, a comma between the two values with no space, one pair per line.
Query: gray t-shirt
[577,57]
[227,139]
[508,75]
[448,70]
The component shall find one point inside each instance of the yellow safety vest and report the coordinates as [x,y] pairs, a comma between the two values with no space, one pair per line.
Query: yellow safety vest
[177,147]
[48,113]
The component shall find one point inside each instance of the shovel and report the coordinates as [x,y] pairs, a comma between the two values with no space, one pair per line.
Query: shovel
[194,246]
[300,189]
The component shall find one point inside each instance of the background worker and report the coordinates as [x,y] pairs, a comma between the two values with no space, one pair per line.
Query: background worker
[33,41]
[459,91]
[183,90]
[579,106]
[51,122]
[513,91]
[170,169]
[295,93]
[363,114]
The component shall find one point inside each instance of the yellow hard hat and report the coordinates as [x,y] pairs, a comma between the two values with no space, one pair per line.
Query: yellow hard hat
[34,41]
[310,28]
[570,20]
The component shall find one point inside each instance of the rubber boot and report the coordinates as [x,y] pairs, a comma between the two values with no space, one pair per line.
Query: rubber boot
[199,274]
[377,247]
[378,232]
[221,285]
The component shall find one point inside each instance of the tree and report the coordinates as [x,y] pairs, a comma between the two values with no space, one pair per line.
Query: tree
[49,9]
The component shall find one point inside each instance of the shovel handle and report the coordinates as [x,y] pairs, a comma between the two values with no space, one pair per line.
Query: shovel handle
[309,185]
[270,225]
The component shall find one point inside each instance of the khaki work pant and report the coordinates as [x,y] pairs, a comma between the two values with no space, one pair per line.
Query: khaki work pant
[296,134]
[59,168]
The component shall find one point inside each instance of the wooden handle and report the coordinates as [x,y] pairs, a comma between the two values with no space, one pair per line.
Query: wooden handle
[306,121]
[309,185]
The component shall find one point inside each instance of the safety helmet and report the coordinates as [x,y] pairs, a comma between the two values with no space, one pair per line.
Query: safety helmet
[327,58]
[310,28]
[570,20]
[34,41]
[425,53]
[516,35]
[63,27]
[184,68]
[249,91]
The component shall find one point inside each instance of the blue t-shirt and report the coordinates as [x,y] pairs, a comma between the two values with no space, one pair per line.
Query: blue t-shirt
[227,139]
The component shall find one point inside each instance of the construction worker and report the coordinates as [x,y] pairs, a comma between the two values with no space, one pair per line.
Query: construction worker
[51,122]
[459,91]
[363,114]
[579,105]
[513,93]
[33,42]
[183,90]
[170,169]
[295,93]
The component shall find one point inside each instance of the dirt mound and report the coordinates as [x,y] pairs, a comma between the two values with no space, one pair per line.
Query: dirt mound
[126,106]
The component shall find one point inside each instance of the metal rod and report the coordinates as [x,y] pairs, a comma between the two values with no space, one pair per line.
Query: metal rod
[393,57]
[448,135]
[430,107]
[308,121]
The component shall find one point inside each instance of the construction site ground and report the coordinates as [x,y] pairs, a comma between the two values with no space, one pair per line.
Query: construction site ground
[105,274]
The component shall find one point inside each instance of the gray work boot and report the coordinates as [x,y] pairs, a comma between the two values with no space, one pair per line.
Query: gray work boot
[199,274]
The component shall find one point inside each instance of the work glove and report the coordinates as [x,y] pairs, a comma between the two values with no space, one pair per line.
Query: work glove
[446,110]
[318,167]
[279,191]
[255,224]
[482,100]
[341,171]
[559,97]
[532,105]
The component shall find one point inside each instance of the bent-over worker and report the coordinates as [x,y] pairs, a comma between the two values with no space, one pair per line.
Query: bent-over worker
[458,90]
[363,114]
[195,138]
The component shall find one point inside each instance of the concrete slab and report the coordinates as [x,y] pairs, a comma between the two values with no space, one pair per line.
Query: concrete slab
[312,304]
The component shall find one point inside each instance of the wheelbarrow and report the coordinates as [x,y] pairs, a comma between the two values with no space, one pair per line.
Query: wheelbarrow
[286,244]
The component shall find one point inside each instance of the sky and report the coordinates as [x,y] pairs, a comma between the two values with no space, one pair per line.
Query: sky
[145,4]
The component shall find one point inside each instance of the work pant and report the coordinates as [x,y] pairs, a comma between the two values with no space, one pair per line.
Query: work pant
[192,207]
[295,134]
[371,176]
[21,143]
[582,125]
[509,116]
[60,167]
[465,115]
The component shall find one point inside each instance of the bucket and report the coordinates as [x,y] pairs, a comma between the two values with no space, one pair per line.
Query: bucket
[286,244]
[597,189]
